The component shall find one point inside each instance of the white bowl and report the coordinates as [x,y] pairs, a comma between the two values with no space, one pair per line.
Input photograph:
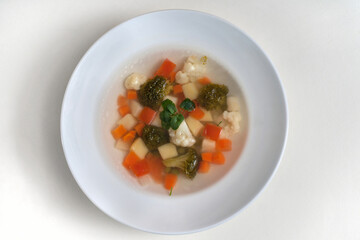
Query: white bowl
[140,44]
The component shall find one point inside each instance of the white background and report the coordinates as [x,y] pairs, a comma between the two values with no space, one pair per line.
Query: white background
[315,46]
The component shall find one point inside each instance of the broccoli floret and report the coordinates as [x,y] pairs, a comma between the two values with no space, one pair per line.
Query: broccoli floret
[154,137]
[213,96]
[188,162]
[152,92]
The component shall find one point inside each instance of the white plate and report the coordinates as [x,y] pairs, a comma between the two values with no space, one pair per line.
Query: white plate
[140,44]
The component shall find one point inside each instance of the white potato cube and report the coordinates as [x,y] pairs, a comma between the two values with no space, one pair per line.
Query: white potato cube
[208,145]
[195,126]
[135,108]
[121,145]
[157,121]
[233,104]
[190,91]
[168,151]
[139,148]
[128,121]
[145,180]
[207,116]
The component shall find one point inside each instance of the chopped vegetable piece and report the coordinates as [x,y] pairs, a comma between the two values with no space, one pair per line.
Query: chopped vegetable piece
[194,125]
[131,94]
[170,181]
[139,148]
[233,104]
[147,115]
[130,136]
[122,101]
[207,156]
[213,96]
[223,145]
[139,128]
[190,91]
[140,168]
[130,160]
[152,92]
[187,162]
[168,151]
[124,110]
[207,115]
[212,131]
[197,113]
[188,105]
[118,132]
[204,80]
[154,137]
[177,89]
[208,145]
[121,145]
[135,108]
[166,69]
[218,158]
[128,122]
[204,167]
[156,167]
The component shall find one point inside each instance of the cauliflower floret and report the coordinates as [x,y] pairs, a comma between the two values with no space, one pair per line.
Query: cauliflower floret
[181,77]
[182,136]
[231,124]
[194,68]
[134,81]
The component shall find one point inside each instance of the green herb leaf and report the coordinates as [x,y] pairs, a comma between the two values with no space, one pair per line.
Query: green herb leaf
[170,191]
[165,118]
[176,120]
[188,105]
[218,123]
[168,105]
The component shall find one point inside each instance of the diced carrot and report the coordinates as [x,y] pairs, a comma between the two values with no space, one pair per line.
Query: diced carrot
[166,68]
[122,101]
[172,76]
[118,132]
[130,136]
[207,156]
[130,160]
[170,181]
[212,131]
[140,168]
[204,167]
[139,128]
[178,89]
[197,113]
[156,167]
[147,115]
[204,80]
[124,110]
[218,158]
[131,94]
[223,145]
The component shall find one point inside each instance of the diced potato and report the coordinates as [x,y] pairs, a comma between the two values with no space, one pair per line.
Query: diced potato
[128,121]
[190,91]
[139,148]
[233,104]
[168,151]
[121,145]
[208,145]
[135,108]
[145,180]
[207,117]
[217,116]
[195,125]
[157,121]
